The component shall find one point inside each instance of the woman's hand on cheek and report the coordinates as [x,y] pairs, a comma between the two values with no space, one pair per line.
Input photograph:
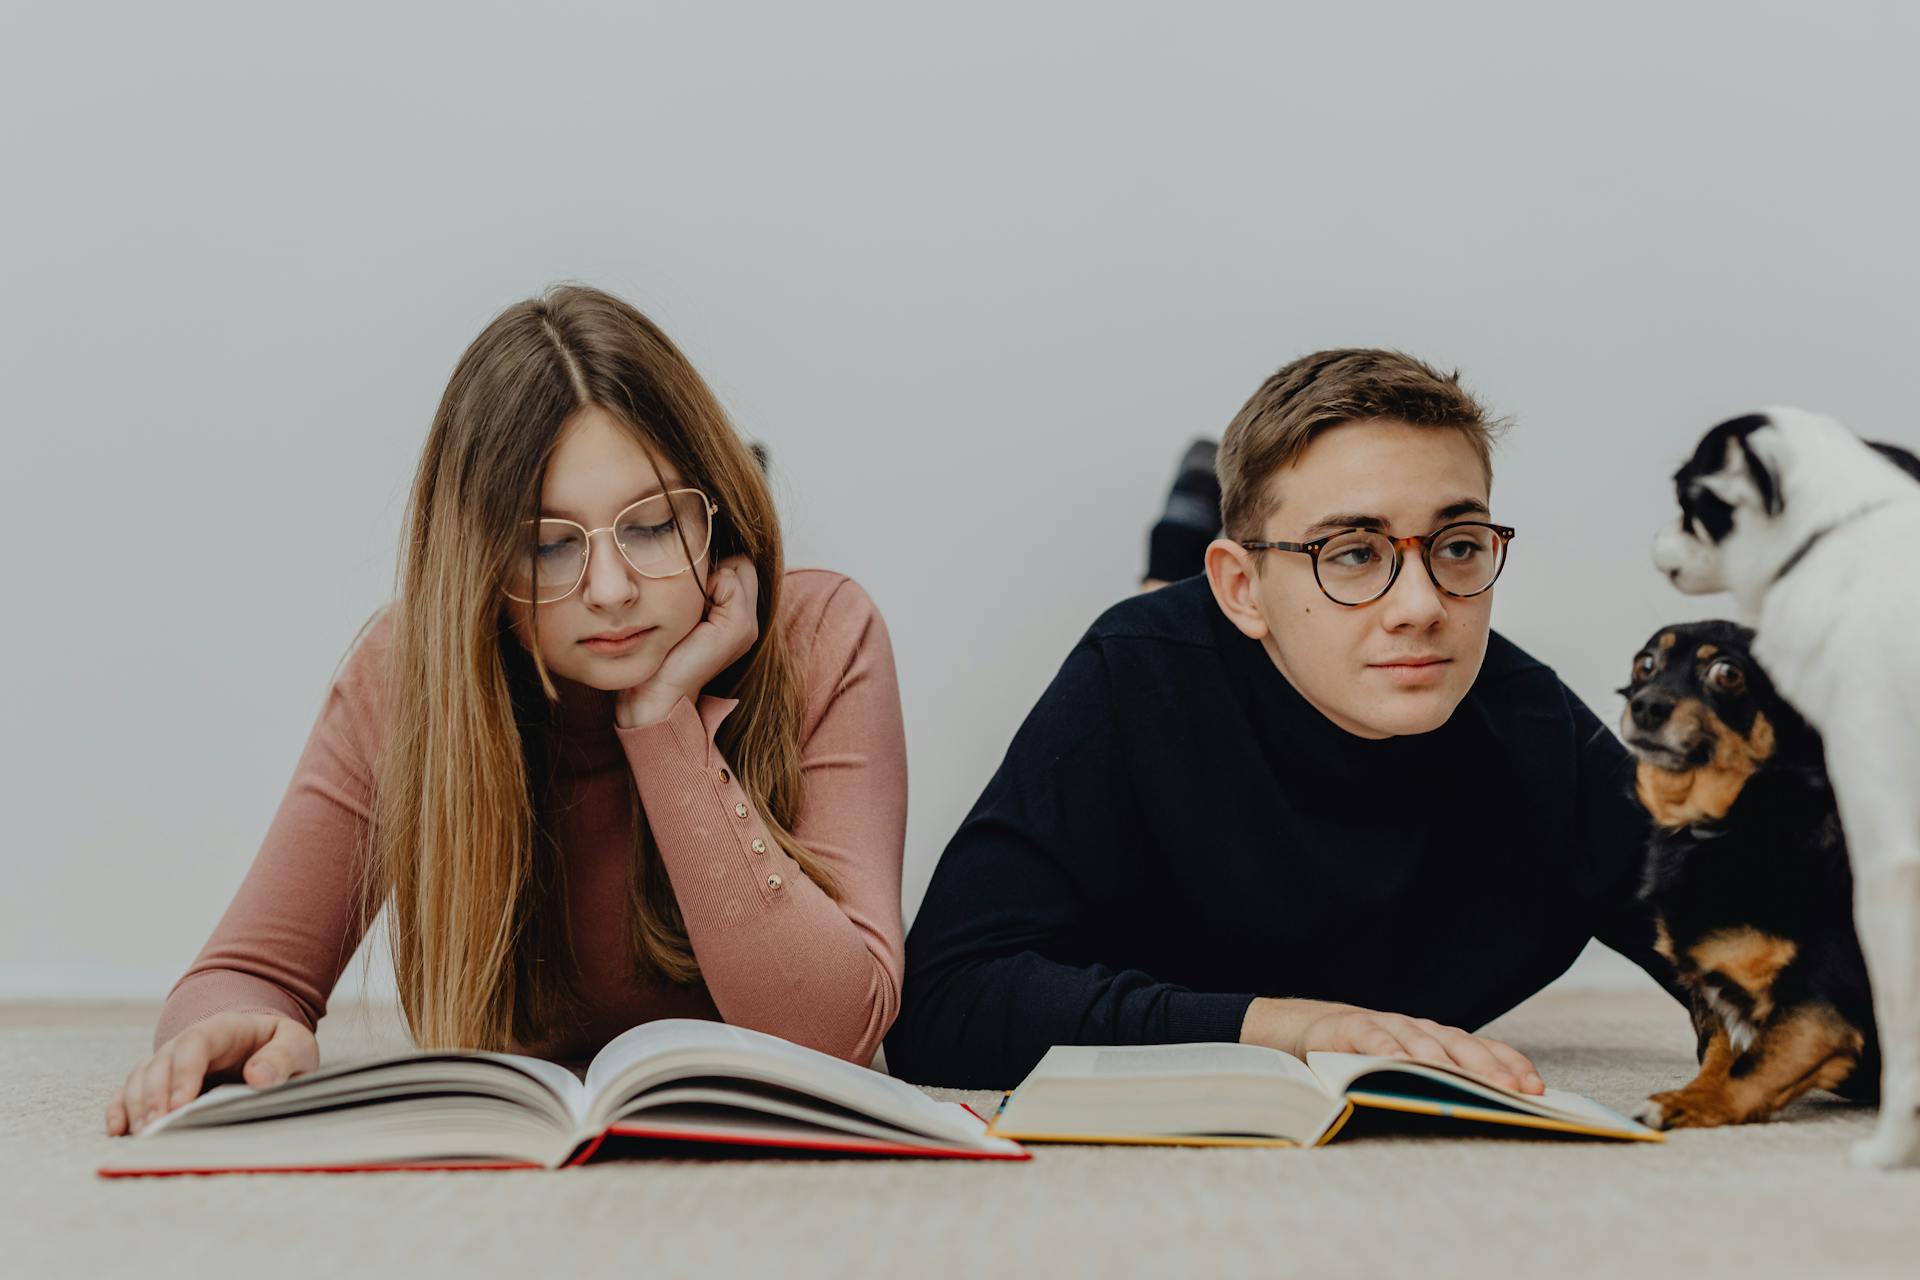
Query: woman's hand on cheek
[716,642]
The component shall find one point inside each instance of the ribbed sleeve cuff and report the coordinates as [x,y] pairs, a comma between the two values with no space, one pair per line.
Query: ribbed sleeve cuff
[717,848]
[201,995]
[1194,1017]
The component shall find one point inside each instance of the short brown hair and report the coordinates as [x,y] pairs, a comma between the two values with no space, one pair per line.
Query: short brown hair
[1319,392]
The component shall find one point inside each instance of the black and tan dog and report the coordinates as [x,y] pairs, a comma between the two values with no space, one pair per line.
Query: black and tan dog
[1748,877]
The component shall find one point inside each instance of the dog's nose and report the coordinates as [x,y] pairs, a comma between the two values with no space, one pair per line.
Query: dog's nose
[1650,710]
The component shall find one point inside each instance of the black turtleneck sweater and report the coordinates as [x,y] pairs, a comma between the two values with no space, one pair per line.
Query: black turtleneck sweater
[1175,830]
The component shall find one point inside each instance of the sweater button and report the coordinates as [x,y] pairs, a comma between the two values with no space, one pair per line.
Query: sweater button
[739,811]
[773,882]
[725,776]
[759,846]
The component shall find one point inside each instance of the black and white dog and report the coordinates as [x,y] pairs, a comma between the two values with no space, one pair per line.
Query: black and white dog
[1815,531]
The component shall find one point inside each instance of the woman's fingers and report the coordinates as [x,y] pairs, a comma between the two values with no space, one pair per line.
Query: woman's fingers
[291,1051]
[748,580]
[121,1109]
[155,1083]
[211,1046]
[176,1072]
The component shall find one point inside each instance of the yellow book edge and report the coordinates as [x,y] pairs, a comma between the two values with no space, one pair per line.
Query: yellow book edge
[1158,1140]
[1374,1101]
[1515,1119]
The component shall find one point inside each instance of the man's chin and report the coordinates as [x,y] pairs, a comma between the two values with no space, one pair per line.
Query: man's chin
[1409,712]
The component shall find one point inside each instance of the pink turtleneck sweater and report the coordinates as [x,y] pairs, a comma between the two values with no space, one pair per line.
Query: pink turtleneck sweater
[775,952]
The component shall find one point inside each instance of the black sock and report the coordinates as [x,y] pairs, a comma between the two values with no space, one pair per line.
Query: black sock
[1177,546]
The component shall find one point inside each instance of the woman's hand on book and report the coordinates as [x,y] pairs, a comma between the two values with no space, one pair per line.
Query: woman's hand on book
[1301,1027]
[263,1048]
[716,642]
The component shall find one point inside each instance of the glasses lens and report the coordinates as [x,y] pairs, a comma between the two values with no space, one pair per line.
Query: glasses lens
[1466,558]
[660,536]
[553,567]
[1355,566]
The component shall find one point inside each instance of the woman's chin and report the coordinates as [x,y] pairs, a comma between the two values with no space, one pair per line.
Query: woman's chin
[608,675]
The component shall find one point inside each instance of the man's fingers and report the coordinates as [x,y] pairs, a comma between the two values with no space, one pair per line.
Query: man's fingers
[1423,1046]
[1475,1056]
[1379,1042]
[1523,1070]
[117,1115]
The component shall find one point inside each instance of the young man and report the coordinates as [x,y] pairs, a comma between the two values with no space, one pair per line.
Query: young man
[1308,800]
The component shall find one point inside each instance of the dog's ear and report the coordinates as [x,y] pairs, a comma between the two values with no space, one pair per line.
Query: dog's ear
[1735,464]
[1756,452]
[1900,458]
[1729,487]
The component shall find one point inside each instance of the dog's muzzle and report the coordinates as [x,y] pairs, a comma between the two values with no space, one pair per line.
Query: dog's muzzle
[1690,564]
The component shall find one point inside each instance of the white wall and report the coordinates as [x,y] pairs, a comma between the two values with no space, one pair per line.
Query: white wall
[976,273]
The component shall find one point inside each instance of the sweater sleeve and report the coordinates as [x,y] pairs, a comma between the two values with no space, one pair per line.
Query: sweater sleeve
[777,952]
[295,921]
[1003,961]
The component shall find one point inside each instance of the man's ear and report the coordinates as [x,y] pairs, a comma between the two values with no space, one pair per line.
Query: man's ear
[1230,572]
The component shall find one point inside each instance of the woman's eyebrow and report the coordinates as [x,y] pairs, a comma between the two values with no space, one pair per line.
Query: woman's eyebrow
[564,514]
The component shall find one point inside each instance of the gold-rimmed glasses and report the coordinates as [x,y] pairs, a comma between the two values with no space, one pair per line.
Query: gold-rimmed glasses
[660,536]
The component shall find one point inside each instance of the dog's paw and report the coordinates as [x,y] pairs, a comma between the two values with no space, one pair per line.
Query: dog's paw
[1679,1109]
[1892,1146]
[1652,1113]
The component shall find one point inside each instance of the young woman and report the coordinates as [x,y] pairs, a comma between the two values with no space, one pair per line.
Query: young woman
[603,760]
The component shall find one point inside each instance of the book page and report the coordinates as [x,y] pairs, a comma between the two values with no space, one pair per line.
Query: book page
[543,1087]
[1174,1061]
[1201,1093]
[565,1085]
[1339,1071]
[657,1053]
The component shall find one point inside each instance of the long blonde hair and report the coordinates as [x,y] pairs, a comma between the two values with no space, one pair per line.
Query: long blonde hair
[461,854]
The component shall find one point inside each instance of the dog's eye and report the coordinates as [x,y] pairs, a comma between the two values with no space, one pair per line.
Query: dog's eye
[1726,677]
[1643,666]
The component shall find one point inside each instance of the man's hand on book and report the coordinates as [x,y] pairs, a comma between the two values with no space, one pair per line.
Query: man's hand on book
[265,1048]
[1301,1027]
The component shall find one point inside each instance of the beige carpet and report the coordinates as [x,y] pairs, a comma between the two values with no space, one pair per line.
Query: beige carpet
[1766,1200]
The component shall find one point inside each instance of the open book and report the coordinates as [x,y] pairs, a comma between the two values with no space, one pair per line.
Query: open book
[678,1079]
[1247,1095]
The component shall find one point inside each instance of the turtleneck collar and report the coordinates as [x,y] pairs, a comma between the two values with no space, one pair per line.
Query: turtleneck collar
[581,724]
[1301,741]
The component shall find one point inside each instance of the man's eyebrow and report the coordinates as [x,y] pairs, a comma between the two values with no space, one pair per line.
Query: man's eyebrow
[1464,507]
[565,514]
[1347,522]
[1452,511]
